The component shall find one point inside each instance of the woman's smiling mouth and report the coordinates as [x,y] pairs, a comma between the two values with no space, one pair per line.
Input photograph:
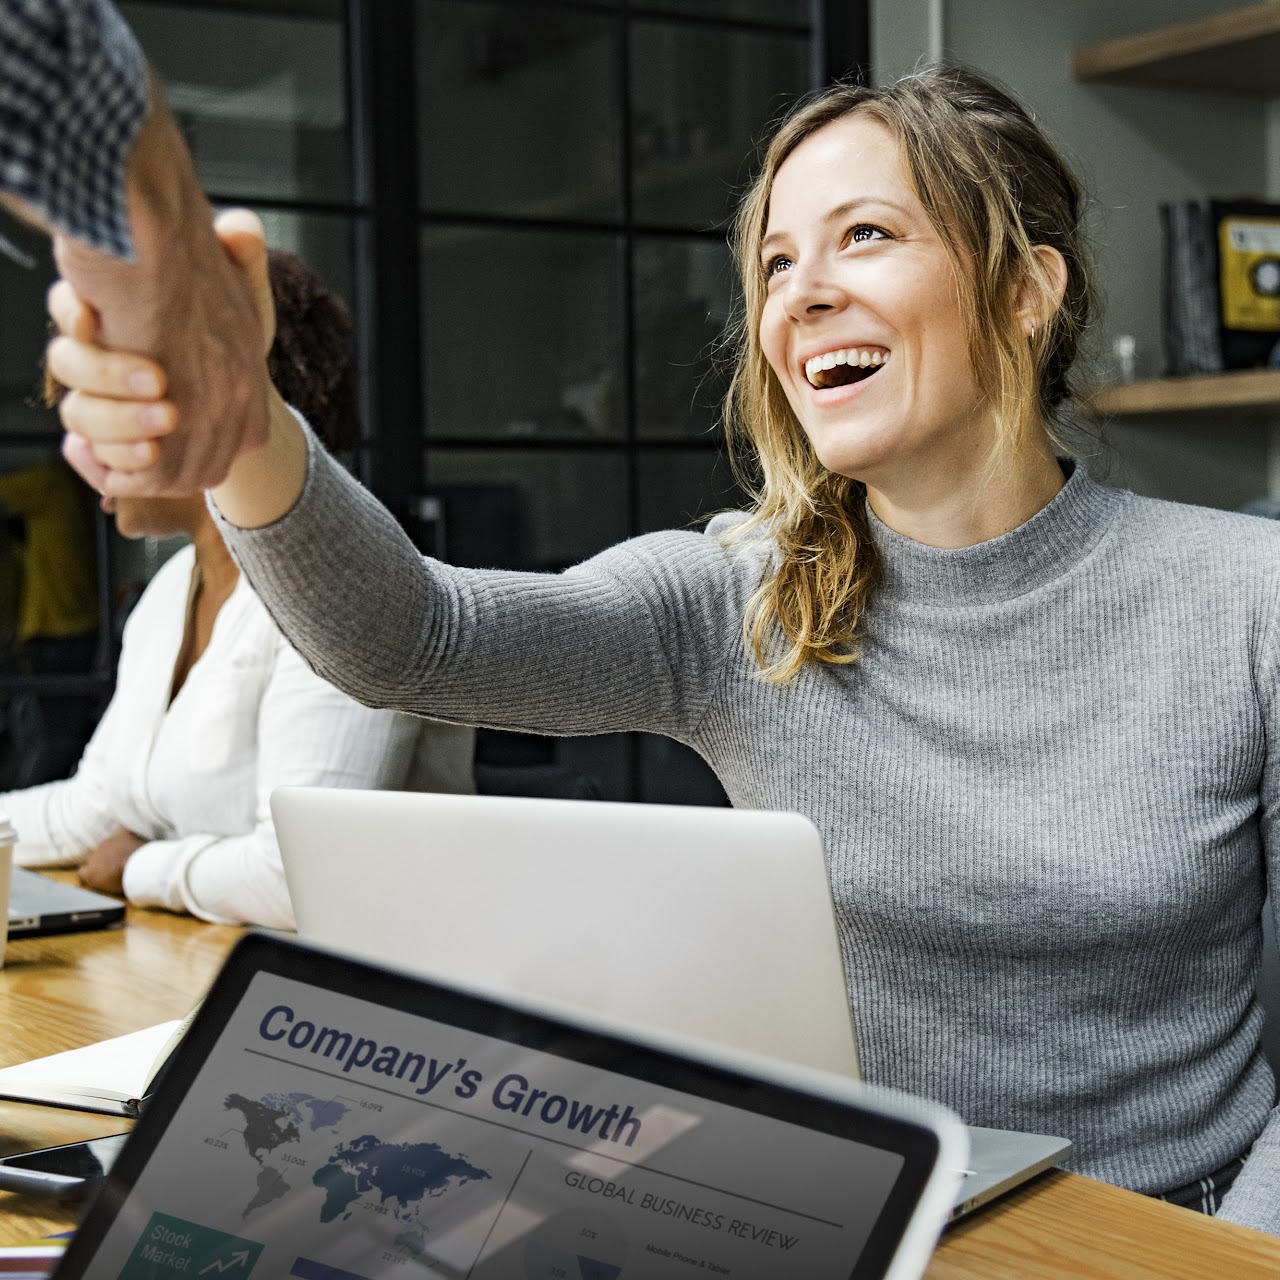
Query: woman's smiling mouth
[848,364]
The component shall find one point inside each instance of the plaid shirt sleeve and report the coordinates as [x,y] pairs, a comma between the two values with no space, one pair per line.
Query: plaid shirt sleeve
[73,96]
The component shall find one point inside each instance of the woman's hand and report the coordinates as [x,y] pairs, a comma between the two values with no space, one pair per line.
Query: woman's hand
[103,869]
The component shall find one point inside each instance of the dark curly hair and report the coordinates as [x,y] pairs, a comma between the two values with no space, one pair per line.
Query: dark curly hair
[310,361]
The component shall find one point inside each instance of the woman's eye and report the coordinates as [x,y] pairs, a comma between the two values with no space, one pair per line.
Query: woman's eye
[864,231]
[777,264]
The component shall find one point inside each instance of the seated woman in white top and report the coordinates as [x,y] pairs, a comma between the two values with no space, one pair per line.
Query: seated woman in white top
[213,709]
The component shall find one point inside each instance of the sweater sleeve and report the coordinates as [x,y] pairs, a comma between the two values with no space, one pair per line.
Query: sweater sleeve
[74,98]
[309,734]
[631,639]
[1254,1198]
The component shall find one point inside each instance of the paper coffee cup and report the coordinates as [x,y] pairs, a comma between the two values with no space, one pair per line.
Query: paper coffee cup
[8,838]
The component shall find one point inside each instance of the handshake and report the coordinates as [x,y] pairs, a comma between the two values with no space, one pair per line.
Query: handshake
[164,357]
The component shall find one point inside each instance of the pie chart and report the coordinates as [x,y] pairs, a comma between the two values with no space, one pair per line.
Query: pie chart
[579,1244]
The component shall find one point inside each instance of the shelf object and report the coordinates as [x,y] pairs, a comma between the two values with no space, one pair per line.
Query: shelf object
[1236,52]
[1241,391]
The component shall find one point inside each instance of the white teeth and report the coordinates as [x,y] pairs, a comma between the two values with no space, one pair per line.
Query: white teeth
[859,357]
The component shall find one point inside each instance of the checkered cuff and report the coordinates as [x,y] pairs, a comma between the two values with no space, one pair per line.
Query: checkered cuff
[73,96]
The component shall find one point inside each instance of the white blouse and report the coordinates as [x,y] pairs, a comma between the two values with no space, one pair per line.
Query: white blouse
[194,777]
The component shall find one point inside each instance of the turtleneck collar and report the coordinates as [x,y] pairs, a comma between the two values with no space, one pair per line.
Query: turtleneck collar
[1055,539]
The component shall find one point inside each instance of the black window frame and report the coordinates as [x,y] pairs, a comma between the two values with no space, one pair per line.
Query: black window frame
[386,226]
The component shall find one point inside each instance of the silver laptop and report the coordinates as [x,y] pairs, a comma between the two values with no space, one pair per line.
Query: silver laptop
[661,915]
[39,905]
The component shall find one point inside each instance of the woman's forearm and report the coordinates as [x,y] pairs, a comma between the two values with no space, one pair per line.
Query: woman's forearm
[264,483]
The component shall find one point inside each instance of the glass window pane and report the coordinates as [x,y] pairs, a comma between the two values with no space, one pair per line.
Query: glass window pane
[671,773]
[48,549]
[322,240]
[679,488]
[790,12]
[526,764]
[684,297]
[521,509]
[48,561]
[43,733]
[517,110]
[24,331]
[261,97]
[701,98]
[520,333]
[603,758]
[48,616]
[134,562]
[12,579]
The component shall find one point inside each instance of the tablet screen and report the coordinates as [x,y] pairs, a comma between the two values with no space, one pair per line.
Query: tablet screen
[332,1136]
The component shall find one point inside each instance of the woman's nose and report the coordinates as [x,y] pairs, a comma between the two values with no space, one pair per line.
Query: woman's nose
[811,291]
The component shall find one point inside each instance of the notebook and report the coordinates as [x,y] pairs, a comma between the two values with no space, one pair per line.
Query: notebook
[715,924]
[328,1120]
[113,1076]
[39,905]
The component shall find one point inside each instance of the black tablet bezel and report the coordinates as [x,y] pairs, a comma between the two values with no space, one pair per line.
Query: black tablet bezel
[259,953]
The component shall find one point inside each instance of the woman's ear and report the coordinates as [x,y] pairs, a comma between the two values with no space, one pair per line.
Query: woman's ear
[1040,297]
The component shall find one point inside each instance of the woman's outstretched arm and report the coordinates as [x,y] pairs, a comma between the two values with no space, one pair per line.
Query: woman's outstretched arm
[629,640]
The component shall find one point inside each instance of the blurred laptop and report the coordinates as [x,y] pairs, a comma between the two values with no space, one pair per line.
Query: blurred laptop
[39,905]
[712,923]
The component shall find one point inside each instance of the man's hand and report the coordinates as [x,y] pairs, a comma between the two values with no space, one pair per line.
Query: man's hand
[103,869]
[186,303]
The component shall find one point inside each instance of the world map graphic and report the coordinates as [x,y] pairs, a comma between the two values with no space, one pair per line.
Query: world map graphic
[402,1176]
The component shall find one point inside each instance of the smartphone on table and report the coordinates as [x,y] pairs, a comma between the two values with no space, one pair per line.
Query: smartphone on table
[68,1172]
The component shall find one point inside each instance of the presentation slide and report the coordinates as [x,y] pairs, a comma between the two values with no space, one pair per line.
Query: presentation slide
[330,1138]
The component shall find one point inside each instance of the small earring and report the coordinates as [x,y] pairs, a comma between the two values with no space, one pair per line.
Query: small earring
[1033,333]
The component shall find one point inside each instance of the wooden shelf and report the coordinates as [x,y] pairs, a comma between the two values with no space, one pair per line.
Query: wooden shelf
[1236,52]
[1243,390]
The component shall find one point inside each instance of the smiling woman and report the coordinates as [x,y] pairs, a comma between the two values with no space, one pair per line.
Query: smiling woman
[929,230]
[1033,718]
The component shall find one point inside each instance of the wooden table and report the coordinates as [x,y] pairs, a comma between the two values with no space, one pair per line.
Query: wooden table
[67,991]
[59,993]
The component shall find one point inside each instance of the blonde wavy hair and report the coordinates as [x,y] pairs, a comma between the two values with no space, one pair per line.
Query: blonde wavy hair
[994,188]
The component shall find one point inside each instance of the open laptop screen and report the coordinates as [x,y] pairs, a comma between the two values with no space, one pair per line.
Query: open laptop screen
[331,1121]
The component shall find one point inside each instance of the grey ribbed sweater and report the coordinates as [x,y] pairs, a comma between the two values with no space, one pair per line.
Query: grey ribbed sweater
[1049,791]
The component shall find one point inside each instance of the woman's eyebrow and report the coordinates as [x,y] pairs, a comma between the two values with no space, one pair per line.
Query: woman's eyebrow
[839,212]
